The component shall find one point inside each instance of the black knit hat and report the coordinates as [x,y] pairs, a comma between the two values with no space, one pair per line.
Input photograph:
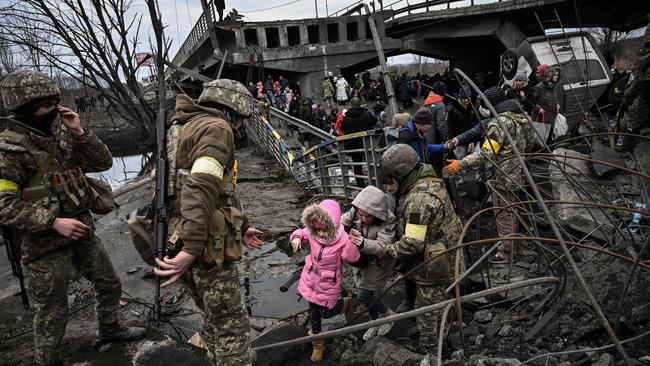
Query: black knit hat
[494,95]
[423,116]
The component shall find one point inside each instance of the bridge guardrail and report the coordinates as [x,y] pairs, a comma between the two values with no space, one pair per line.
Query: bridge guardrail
[197,36]
[331,168]
[409,8]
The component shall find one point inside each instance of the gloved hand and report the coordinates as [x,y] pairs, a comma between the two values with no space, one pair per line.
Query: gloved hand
[453,167]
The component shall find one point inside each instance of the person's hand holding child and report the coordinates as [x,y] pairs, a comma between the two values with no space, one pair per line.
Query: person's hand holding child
[356,238]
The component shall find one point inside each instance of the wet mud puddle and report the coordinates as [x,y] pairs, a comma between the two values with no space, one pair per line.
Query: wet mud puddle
[269,270]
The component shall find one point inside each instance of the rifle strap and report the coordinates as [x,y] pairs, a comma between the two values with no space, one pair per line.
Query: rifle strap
[26,142]
[40,171]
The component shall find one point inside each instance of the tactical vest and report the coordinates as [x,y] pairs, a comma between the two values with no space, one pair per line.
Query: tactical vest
[225,232]
[438,266]
[63,188]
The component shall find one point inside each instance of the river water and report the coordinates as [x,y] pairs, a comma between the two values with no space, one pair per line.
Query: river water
[124,169]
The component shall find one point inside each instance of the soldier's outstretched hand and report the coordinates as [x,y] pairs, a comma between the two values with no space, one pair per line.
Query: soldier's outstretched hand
[250,239]
[173,267]
[71,120]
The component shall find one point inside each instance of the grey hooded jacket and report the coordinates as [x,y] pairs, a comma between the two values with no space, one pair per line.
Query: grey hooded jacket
[377,236]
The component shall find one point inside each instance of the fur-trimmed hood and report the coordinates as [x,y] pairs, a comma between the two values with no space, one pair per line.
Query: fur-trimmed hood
[329,213]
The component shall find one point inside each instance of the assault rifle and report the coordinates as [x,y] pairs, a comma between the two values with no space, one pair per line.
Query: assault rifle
[160,206]
[13,254]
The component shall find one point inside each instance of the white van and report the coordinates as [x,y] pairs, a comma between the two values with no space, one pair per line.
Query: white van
[585,75]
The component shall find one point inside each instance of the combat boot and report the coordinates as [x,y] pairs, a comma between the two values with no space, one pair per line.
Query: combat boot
[319,351]
[116,333]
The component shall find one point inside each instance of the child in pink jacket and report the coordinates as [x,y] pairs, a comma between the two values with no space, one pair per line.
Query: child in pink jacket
[322,277]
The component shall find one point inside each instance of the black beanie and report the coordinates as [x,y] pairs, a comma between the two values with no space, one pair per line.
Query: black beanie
[423,116]
[494,95]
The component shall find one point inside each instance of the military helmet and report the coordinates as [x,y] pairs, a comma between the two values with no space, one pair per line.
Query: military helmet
[398,161]
[229,93]
[24,86]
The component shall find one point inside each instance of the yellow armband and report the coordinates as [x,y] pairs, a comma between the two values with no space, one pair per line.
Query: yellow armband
[492,146]
[207,165]
[7,185]
[418,232]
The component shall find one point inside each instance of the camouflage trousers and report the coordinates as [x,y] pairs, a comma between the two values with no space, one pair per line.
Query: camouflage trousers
[226,328]
[428,322]
[639,110]
[47,283]
[506,221]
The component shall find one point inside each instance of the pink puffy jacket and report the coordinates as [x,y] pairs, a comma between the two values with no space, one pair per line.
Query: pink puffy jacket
[322,276]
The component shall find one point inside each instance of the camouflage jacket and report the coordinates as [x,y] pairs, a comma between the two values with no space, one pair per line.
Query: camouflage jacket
[427,217]
[34,218]
[206,134]
[496,148]
[328,88]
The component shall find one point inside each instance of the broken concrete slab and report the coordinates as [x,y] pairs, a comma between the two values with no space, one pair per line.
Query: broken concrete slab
[591,221]
[386,352]
[609,155]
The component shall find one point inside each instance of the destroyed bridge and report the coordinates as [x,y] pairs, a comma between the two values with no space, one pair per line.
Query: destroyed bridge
[454,30]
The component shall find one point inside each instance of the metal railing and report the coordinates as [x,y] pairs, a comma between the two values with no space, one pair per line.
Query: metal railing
[427,5]
[195,39]
[337,173]
[338,167]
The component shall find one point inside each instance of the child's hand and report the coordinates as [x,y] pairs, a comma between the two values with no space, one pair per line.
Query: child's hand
[356,240]
[296,244]
[355,232]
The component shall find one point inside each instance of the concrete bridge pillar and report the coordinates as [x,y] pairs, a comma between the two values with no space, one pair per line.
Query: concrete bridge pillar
[322,33]
[240,38]
[261,37]
[304,36]
[284,36]
[361,26]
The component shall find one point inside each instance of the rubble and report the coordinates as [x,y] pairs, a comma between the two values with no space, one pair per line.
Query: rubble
[589,221]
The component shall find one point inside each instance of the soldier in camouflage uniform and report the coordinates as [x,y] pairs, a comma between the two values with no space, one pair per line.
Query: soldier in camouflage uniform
[49,210]
[637,95]
[506,180]
[426,218]
[265,107]
[207,222]
[328,92]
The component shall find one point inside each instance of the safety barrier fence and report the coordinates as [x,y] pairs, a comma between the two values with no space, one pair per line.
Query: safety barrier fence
[336,167]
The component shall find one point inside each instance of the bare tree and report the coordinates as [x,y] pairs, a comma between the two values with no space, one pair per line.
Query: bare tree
[92,41]
[7,59]
[609,41]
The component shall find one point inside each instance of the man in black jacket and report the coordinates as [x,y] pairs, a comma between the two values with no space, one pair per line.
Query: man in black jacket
[460,117]
[357,119]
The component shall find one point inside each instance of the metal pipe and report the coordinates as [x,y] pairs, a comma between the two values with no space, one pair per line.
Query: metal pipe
[405,315]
